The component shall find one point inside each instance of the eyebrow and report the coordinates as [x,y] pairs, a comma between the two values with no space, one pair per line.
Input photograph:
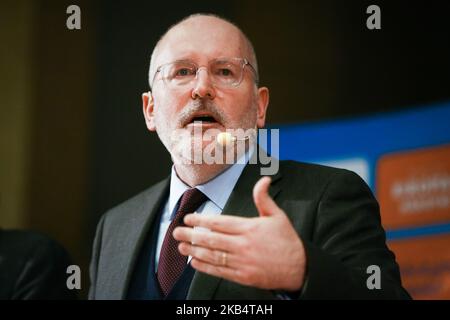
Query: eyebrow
[220,59]
[176,61]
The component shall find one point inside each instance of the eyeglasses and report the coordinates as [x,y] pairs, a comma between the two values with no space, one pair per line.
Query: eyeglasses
[224,73]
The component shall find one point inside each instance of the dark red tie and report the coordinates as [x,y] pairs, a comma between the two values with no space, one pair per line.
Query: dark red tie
[171,262]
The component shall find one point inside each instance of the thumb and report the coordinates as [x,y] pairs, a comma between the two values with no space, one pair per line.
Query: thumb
[263,202]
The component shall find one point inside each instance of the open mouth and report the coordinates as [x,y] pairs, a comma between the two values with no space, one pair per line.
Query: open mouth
[203,119]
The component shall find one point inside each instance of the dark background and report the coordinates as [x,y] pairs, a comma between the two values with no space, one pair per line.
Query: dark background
[86,147]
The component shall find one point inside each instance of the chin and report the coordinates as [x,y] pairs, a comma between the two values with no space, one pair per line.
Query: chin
[196,152]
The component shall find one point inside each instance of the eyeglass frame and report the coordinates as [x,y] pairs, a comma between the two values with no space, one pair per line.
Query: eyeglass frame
[244,60]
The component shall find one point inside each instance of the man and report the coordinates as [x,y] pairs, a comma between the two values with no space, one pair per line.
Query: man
[307,232]
[32,267]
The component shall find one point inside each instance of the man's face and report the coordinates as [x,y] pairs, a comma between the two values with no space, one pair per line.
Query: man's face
[172,111]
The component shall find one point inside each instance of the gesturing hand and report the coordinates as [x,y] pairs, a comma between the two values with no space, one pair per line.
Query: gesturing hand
[263,252]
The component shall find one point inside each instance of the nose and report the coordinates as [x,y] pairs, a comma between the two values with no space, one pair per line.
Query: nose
[203,87]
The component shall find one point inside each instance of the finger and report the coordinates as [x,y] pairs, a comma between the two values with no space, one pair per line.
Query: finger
[217,271]
[214,257]
[207,239]
[219,223]
[263,202]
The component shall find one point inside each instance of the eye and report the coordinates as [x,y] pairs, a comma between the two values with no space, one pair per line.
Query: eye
[225,72]
[183,72]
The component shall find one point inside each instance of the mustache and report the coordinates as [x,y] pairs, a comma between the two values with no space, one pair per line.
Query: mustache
[201,106]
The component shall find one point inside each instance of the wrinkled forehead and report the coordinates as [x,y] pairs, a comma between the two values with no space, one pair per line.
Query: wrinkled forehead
[201,41]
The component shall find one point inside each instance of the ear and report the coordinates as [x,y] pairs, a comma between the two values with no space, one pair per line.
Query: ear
[148,110]
[263,103]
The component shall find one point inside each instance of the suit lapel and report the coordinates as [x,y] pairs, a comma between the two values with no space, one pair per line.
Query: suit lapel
[240,203]
[134,230]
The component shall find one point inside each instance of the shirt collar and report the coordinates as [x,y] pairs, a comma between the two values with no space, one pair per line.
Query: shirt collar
[217,190]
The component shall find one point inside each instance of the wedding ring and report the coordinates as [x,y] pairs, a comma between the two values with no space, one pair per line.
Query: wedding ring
[224,259]
[194,231]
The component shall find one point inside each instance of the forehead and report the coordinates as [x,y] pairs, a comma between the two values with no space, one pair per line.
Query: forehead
[201,39]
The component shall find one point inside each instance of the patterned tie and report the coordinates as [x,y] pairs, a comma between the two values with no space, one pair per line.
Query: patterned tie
[171,262]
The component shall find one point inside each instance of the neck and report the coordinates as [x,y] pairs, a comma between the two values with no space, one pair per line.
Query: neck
[196,174]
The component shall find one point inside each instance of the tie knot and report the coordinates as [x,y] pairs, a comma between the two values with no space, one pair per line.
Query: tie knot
[191,200]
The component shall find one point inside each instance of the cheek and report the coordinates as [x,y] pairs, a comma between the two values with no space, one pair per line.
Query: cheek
[167,106]
[164,110]
[242,107]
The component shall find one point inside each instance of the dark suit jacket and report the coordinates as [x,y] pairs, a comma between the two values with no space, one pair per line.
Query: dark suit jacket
[32,266]
[333,211]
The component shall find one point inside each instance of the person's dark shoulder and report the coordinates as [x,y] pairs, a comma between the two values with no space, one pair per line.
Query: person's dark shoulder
[32,266]
[309,178]
[297,169]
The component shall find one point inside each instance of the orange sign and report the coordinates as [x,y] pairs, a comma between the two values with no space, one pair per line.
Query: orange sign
[413,187]
[424,265]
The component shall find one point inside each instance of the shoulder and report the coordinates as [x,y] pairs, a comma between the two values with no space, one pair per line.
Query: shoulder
[308,170]
[316,178]
[34,264]
[22,243]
